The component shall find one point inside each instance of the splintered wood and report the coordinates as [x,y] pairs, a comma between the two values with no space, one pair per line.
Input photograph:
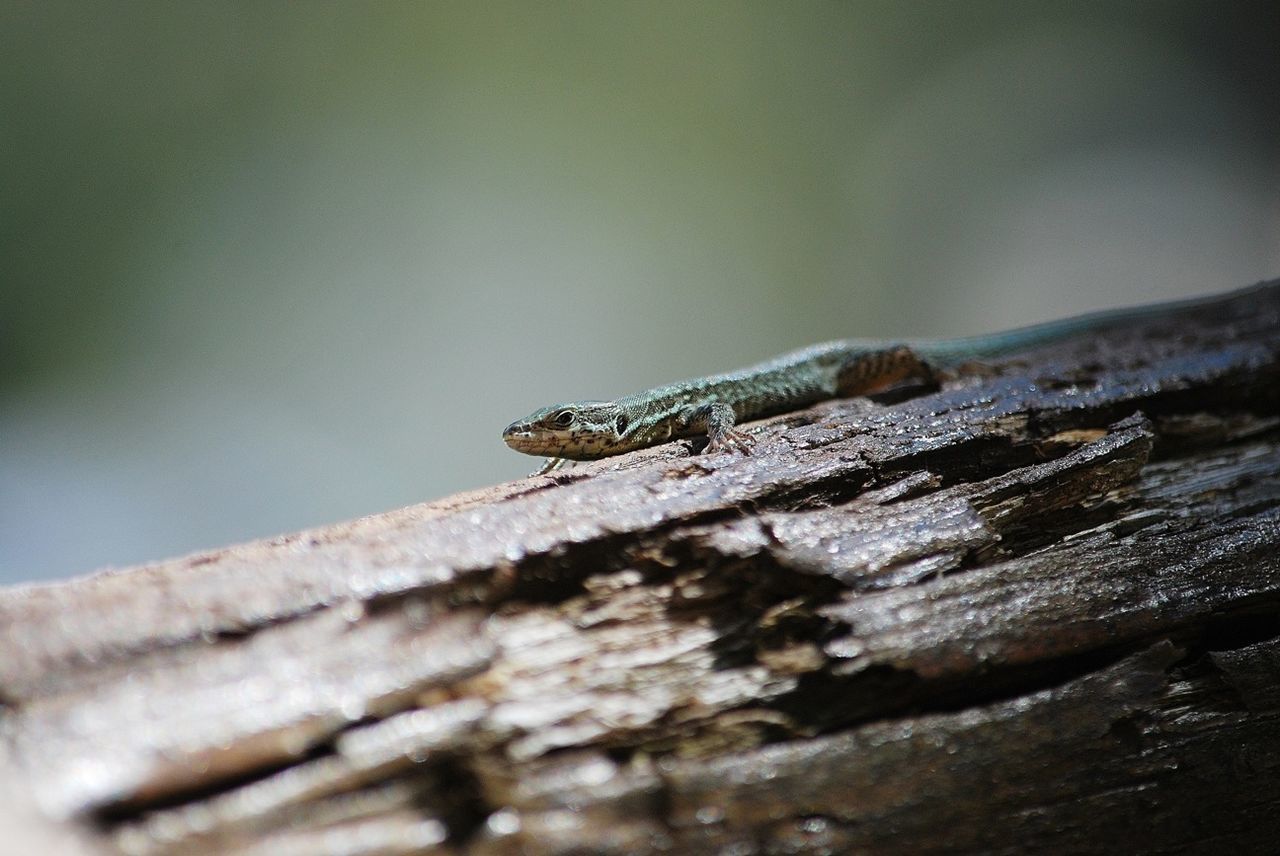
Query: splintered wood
[1037,609]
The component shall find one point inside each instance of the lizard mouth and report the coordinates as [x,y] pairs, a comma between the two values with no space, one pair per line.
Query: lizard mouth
[523,437]
[517,432]
[532,439]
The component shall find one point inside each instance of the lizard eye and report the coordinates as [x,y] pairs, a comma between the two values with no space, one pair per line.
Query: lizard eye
[565,418]
[621,425]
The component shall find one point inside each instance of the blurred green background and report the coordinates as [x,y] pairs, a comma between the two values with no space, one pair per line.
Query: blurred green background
[269,265]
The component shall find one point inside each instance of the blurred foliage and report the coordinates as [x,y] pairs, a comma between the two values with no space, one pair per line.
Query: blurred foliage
[267,264]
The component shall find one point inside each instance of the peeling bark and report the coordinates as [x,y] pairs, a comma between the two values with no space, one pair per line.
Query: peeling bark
[1035,608]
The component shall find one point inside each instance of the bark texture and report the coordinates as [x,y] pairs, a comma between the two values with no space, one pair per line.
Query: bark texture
[1037,608]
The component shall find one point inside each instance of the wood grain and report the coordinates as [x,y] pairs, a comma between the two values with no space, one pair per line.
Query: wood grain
[1035,608]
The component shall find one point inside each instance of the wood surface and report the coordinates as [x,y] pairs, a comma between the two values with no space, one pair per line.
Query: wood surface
[1034,609]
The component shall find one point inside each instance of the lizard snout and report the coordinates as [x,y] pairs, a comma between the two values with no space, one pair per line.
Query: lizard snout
[521,437]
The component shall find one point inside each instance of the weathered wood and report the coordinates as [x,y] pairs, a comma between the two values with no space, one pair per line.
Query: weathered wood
[1038,608]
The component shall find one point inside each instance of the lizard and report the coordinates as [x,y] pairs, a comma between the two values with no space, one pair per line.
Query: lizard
[714,406]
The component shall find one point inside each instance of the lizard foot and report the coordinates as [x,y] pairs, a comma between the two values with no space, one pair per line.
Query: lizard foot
[729,440]
[549,465]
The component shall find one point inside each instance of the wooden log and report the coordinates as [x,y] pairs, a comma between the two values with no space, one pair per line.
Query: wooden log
[1035,608]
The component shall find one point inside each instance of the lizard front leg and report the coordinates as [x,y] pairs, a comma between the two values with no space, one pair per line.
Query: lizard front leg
[550,465]
[717,422]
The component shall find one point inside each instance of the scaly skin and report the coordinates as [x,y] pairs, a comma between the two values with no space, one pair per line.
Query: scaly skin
[712,406]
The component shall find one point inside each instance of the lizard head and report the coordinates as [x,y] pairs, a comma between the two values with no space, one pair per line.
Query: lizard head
[579,430]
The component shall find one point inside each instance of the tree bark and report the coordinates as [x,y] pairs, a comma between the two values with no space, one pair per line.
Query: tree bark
[1037,608]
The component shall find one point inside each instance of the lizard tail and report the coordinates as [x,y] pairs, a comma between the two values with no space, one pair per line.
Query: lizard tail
[947,352]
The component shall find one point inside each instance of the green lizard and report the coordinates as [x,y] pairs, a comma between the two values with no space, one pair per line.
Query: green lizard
[713,406]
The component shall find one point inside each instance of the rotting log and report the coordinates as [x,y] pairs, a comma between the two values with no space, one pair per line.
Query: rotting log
[1037,608]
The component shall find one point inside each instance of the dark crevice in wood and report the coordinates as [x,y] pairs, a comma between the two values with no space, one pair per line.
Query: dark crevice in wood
[111,814]
[459,801]
[826,703]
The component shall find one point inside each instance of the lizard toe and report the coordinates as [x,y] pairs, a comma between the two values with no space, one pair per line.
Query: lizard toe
[730,441]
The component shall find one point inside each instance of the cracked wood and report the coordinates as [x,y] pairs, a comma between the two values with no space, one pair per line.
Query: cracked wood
[1014,612]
